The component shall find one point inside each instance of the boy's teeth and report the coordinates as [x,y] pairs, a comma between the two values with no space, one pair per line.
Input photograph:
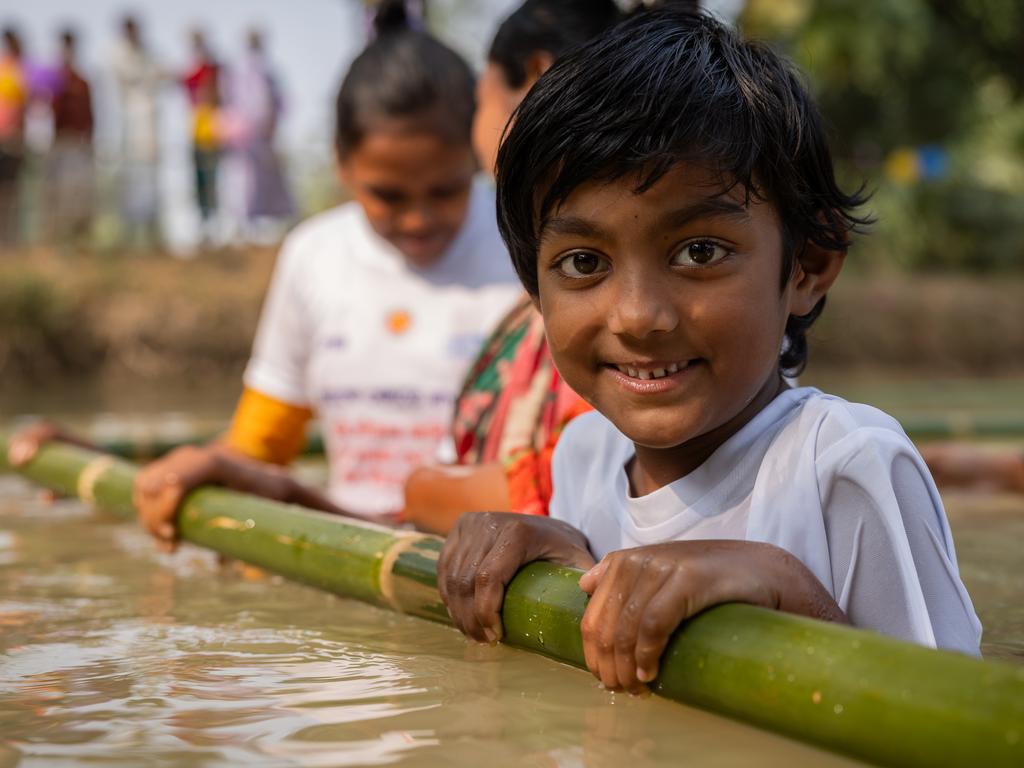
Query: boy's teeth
[655,373]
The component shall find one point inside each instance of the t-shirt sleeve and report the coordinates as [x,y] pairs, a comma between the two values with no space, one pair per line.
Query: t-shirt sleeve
[281,350]
[893,564]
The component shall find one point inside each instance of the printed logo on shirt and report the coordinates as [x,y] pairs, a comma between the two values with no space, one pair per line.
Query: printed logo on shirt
[398,321]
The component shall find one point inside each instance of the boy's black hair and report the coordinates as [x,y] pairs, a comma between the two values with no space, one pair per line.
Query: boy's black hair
[663,88]
[551,26]
[404,74]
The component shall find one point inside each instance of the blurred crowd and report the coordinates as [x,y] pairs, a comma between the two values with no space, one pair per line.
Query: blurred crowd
[240,185]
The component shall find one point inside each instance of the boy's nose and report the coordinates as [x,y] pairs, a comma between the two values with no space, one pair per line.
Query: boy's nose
[643,305]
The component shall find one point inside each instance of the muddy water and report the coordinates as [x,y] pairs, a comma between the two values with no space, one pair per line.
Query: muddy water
[111,654]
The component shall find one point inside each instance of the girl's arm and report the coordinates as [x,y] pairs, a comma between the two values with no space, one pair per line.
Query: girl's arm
[640,596]
[25,443]
[264,434]
[435,496]
[161,486]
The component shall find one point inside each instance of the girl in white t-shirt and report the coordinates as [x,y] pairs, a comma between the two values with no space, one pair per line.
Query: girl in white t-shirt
[376,308]
[668,198]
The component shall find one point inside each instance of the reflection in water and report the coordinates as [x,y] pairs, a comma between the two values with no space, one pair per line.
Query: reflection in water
[113,653]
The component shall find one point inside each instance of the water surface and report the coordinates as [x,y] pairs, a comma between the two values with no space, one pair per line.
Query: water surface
[111,654]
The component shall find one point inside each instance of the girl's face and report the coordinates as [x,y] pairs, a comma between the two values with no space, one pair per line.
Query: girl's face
[495,102]
[414,188]
[663,309]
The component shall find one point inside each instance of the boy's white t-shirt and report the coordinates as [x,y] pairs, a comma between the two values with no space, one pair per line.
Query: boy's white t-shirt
[376,347]
[837,484]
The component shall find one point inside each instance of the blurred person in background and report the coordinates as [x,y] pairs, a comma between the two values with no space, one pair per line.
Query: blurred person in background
[376,308]
[203,85]
[70,170]
[513,405]
[139,80]
[261,200]
[14,95]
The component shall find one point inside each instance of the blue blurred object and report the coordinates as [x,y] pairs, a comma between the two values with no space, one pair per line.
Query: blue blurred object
[933,162]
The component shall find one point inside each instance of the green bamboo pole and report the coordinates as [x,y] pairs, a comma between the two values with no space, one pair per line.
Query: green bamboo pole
[848,690]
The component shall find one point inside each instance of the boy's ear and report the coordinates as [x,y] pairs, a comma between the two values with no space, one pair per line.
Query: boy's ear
[815,270]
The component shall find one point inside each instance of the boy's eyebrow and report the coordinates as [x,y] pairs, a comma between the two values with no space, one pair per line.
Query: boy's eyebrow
[719,206]
[711,207]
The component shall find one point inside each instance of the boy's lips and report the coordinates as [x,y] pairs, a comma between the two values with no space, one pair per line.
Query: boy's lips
[652,377]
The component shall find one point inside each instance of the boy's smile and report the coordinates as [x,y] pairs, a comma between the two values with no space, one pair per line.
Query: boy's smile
[666,310]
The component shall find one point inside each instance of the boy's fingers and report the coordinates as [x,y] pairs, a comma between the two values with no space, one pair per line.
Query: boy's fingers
[459,591]
[649,581]
[590,579]
[598,619]
[491,578]
[661,617]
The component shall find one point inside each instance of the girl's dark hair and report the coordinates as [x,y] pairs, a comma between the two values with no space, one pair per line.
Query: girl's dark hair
[667,87]
[404,74]
[552,26]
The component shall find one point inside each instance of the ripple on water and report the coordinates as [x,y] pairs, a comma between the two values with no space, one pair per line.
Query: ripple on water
[112,654]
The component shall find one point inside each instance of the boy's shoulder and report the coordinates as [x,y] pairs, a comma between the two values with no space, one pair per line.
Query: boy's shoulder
[591,434]
[831,422]
[588,444]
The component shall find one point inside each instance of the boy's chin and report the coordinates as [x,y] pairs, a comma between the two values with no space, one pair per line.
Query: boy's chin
[657,433]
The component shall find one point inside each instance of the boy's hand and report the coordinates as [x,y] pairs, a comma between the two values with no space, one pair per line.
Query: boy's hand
[640,596]
[483,553]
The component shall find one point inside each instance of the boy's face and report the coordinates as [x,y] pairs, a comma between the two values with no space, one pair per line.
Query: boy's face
[663,309]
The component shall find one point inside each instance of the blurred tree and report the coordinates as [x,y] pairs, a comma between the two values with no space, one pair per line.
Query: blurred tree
[926,100]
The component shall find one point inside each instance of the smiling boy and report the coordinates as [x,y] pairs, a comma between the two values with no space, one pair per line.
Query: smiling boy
[668,198]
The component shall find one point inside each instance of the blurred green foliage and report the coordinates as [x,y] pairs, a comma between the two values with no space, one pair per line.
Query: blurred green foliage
[925,101]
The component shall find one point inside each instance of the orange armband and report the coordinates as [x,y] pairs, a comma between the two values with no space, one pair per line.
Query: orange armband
[267,429]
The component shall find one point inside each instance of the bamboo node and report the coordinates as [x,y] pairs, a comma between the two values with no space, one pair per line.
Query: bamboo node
[403,543]
[90,475]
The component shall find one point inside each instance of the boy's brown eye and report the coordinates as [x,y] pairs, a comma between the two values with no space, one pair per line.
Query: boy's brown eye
[701,253]
[581,264]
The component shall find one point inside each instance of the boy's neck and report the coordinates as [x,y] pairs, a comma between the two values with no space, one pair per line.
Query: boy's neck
[654,468]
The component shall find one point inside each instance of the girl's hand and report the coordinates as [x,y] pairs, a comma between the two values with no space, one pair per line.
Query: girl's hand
[25,443]
[640,596]
[161,486]
[482,554]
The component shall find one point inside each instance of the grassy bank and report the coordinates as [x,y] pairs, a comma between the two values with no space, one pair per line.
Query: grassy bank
[158,319]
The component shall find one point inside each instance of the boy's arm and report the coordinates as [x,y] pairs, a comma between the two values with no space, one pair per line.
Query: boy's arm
[482,554]
[640,596]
